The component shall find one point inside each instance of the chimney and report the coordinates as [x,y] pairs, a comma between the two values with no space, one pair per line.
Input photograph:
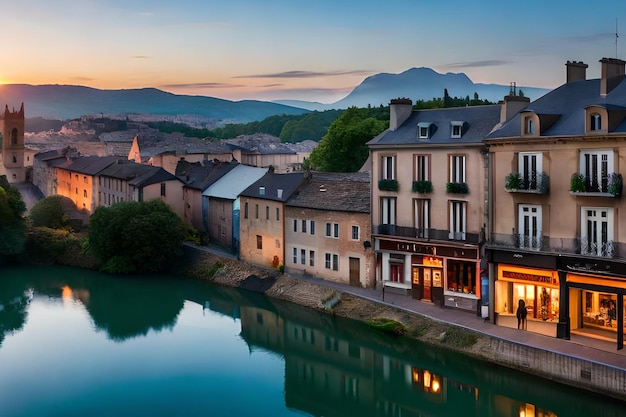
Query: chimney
[399,110]
[576,71]
[511,105]
[612,74]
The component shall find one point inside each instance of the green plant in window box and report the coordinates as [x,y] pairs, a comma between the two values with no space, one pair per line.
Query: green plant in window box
[577,183]
[615,184]
[457,188]
[422,187]
[388,185]
[513,181]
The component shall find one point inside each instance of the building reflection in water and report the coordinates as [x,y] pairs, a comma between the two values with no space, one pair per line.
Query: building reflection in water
[328,373]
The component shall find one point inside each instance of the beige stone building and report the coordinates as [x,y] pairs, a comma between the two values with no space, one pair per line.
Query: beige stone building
[328,232]
[428,201]
[262,219]
[557,229]
[77,179]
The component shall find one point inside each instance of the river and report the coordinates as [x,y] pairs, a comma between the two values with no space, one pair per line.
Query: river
[80,343]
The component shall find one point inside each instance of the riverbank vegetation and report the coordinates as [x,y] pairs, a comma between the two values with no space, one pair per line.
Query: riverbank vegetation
[131,236]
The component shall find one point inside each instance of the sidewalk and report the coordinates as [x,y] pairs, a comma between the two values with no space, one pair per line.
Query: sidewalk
[587,348]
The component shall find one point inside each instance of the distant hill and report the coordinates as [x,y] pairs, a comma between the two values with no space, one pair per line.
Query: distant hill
[64,102]
[417,84]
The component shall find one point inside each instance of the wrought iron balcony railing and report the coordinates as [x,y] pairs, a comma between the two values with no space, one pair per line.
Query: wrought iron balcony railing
[577,245]
[425,234]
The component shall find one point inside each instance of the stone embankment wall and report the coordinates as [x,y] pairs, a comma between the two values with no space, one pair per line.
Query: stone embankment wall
[568,370]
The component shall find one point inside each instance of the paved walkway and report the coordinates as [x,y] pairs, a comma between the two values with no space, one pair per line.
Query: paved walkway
[592,349]
[588,348]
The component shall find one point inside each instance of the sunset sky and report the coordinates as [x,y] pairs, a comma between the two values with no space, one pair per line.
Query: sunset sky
[290,49]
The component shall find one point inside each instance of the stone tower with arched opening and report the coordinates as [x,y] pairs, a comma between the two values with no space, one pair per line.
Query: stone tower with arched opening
[12,127]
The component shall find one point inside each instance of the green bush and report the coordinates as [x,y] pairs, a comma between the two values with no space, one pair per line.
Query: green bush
[135,236]
[50,212]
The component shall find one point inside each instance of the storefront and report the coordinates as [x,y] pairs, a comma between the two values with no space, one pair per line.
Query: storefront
[539,291]
[597,306]
[444,275]
[533,279]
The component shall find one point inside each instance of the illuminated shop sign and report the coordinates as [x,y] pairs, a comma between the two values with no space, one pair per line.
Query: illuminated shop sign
[432,261]
[523,276]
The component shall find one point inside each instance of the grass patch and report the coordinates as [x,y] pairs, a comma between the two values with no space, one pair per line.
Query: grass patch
[459,337]
[388,326]
[210,272]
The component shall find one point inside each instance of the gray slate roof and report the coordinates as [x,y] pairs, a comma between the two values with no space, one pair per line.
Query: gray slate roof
[199,176]
[347,192]
[89,165]
[568,102]
[152,176]
[478,122]
[126,170]
[272,183]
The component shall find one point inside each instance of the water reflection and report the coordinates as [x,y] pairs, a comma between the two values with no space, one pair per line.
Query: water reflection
[332,367]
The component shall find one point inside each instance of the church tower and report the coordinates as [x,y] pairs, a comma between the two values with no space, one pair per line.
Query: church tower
[12,127]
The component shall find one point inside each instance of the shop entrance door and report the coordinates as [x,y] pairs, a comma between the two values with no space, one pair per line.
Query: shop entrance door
[427,283]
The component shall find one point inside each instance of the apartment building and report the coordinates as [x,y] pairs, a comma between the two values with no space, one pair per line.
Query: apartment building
[557,231]
[428,201]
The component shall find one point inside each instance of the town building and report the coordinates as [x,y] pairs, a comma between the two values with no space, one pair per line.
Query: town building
[262,221]
[557,231]
[17,160]
[222,219]
[128,181]
[197,176]
[77,179]
[429,201]
[327,230]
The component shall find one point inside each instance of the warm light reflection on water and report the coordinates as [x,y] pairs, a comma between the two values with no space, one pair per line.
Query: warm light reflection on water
[83,343]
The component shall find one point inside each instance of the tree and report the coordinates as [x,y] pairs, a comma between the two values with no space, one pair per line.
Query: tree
[12,226]
[50,212]
[343,148]
[135,236]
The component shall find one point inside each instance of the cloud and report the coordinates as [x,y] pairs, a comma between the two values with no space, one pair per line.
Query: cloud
[203,85]
[82,79]
[140,57]
[306,74]
[475,64]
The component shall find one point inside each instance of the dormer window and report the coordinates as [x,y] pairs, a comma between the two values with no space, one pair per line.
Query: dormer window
[456,129]
[530,126]
[595,122]
[261,190]
[423,130]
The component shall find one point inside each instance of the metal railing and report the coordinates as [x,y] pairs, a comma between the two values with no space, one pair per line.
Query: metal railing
[577,245]
[425,234]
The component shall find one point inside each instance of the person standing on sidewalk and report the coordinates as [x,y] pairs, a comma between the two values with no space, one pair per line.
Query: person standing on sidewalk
[521,315]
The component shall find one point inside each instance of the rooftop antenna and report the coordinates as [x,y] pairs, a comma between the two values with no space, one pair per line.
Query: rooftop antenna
[616,36]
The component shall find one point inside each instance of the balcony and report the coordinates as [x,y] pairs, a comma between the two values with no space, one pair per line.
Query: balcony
[535,183]
[388,185]
[425,234]
[422,187]
[609,186]
[578,245]
[457,188]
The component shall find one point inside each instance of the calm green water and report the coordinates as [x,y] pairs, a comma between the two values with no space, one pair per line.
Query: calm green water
[80,343]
